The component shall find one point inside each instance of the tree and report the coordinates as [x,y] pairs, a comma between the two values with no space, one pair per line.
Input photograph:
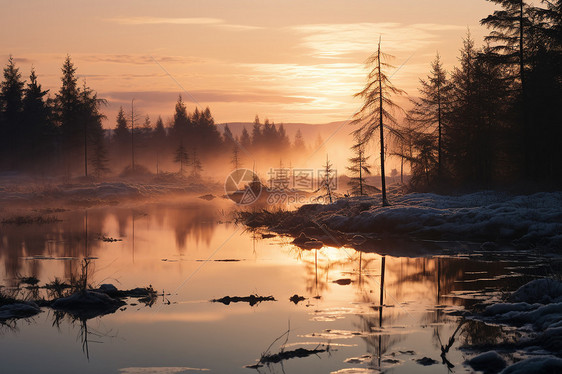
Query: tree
[326,182]
[256,133]
[67,104]
[181,123]
[205,134]
[423,159]
[510,31]
[135,116]
[269,135]
[375,114]
[158,140]
[510,37]
[283,142]
[196,167]
[429,108]
[235,160]
[359,169]
[121,133]
[11,100]
[245,140]
[181,157]
[90,117]
[38,129]
[298,144]
[476,115]
[227,136]
[99,160]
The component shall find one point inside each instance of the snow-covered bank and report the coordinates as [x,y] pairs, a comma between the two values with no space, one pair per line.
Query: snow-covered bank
[483,216]
[92,193]
[535,310]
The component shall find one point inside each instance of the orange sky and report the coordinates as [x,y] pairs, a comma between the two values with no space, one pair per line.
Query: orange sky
[291,61]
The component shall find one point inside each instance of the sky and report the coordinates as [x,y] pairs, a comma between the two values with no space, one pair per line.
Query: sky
[289,61]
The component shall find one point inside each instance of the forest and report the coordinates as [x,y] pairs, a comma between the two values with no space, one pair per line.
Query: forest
[491,121]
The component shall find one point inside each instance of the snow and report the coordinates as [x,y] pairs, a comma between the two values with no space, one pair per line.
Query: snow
[103,191]
[536,313]
[519,314]
[482,216]
[545,364]
[545,312]
[543,291]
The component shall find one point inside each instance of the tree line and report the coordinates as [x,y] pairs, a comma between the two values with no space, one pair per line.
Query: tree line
[40,133]
[493,120]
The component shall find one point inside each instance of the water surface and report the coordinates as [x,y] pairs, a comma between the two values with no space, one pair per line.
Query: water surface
[192,252]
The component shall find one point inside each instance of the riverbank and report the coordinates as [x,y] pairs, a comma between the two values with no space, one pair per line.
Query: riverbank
[491,218]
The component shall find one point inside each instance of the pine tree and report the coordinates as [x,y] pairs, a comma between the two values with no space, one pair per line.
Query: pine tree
[325,183]
[39,131]
[196,167]
[67,104]
[510,26]
[283,142]
[462,115]
[181,157]
[511,36]
[423,159]
[375,114]
[158,141]
[205,133]
[121,133]
[429,109]
[235,161]
[182,123]
[159,133]
[257,138]
[269,135]
[298,144]
[359,170]
[476,117]
[245,140]
[90,117]
[99,158]
[227,136]
[11,100]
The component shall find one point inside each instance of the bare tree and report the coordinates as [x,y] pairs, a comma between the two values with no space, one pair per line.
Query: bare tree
[376,112]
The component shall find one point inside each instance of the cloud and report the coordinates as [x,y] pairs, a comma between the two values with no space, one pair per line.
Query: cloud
[181,21]
[17,60]
[315,80]
[239,27]
[203,96]
[339,40]
[139,59]
[164,21]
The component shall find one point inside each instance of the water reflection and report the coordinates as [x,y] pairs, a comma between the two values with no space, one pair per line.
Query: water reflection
[382,308]
[24,248]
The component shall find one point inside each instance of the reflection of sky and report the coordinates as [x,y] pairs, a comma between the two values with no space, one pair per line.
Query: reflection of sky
[191,332]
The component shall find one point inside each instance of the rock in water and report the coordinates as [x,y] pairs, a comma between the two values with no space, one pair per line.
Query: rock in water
[488,362]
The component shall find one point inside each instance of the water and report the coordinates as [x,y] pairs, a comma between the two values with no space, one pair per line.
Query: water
[174,246]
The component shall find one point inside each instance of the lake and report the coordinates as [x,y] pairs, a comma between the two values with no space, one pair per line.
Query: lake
[363,311]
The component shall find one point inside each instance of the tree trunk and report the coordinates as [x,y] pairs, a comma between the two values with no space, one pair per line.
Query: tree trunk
[383,181]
